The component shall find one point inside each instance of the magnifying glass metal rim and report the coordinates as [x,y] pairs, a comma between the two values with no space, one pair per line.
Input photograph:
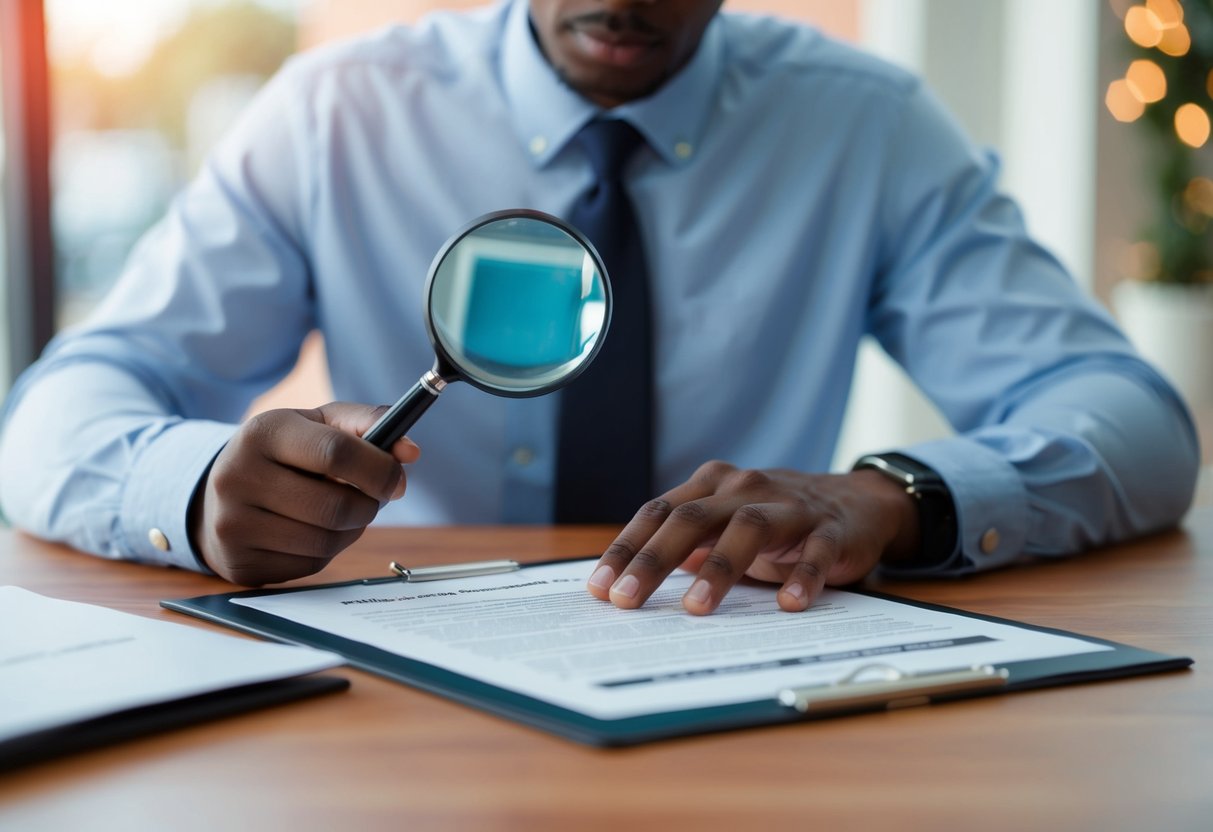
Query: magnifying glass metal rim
[401,416]
[448,369]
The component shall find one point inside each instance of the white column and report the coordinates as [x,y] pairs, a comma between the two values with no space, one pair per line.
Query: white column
[1050,105]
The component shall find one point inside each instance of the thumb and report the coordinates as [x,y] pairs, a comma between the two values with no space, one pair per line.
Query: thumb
[358,418]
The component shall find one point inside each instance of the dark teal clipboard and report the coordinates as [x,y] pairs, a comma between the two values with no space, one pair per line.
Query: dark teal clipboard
[1120,661]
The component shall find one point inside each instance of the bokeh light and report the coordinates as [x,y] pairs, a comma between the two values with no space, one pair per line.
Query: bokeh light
[1146,81]
[1122,103]
[1198,196]
[1169,12]
[1192,125]
[1175,41]
[1143,26]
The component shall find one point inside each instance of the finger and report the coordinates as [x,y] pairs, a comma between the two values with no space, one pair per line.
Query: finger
[271,533]
[272,549]
[259,482]
[302,440]
[682,532]
[359,418]
[624,548]
[641,528]
[257,567]
[750,530]
[822,549]
[322,503]
[695,559]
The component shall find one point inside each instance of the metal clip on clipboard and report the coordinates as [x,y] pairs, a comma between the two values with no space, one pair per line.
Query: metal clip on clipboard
[417,574]
[895,690]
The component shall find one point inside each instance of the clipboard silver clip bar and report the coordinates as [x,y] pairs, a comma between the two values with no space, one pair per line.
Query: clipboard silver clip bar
[417,574]
[895,690]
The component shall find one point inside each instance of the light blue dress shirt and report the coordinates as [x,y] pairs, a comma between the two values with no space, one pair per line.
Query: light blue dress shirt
[795,195]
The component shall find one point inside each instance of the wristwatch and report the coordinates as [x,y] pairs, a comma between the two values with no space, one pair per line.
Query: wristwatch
[936,510]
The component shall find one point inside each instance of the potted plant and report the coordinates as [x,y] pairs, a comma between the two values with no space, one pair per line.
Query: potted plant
[1166,305]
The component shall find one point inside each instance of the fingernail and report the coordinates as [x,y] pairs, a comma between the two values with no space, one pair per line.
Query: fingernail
[627,587]
[798,594]
[399,492]
[700,592]
[602,578]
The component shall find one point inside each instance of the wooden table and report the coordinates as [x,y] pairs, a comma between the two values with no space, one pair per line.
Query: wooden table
[1127,754]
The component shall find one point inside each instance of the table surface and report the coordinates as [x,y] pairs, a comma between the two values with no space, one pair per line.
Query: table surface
[1127,754]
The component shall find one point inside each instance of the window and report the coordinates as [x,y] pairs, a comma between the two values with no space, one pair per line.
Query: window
[5,381]
[141,91]
[26,286]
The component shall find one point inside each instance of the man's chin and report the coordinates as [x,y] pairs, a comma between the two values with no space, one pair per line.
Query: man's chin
[607,89]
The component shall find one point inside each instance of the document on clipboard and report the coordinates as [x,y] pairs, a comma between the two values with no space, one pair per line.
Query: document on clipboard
[533,644]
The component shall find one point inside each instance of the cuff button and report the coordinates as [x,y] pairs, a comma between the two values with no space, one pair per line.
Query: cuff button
[989,541]
[158,539]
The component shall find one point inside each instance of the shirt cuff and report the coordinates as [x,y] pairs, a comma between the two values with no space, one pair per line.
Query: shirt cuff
[991,505]
[155,506]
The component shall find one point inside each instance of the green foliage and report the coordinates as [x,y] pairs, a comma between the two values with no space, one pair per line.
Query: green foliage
[234,38]
[1180,232]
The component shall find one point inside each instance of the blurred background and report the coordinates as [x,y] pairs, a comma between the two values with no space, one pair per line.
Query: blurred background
[1099,109]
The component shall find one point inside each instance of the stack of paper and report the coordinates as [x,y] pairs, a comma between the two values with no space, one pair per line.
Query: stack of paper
[73,675]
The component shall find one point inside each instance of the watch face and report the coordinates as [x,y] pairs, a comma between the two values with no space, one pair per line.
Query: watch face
[885,466]
[901,468]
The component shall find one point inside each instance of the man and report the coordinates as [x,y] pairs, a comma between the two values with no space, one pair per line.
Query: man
[791,195]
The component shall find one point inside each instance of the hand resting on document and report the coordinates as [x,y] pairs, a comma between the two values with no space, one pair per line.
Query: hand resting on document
[803,531]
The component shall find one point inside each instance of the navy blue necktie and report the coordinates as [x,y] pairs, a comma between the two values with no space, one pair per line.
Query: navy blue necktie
[605,446]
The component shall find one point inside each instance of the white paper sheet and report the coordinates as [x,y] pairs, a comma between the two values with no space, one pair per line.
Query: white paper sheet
[62,662]
[538,632]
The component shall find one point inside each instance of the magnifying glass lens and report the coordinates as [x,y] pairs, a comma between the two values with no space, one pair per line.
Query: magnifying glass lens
[517,305]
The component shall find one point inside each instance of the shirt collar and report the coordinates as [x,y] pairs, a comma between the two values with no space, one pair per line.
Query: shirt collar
[547,114]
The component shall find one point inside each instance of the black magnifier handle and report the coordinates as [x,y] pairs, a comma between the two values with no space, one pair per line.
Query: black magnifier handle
[404,413]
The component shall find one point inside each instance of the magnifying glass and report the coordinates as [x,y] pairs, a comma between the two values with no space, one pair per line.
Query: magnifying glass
[517,304]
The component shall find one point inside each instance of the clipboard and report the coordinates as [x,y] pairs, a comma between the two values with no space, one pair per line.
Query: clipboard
[878,688]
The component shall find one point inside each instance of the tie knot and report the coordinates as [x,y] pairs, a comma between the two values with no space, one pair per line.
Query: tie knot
[609,143]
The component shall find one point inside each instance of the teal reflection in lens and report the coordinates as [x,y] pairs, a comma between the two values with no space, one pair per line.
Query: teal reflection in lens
[523,315]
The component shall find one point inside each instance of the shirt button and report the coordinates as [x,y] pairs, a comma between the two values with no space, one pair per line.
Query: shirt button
[158,539]
[990,541]
[538,145]
[523,456]
[683,150]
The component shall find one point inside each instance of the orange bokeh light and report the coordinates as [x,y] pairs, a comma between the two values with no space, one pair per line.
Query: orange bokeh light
[1175,41]
[1146,81]
[1192,125]
[1143,26]
[1169,12]
[1198,196]
[1122,103]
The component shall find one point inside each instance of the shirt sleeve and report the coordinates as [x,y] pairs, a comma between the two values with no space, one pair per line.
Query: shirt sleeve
[1066,439]
[106,437]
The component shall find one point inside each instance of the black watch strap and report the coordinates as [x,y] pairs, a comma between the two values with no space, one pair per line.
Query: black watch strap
[937,523]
